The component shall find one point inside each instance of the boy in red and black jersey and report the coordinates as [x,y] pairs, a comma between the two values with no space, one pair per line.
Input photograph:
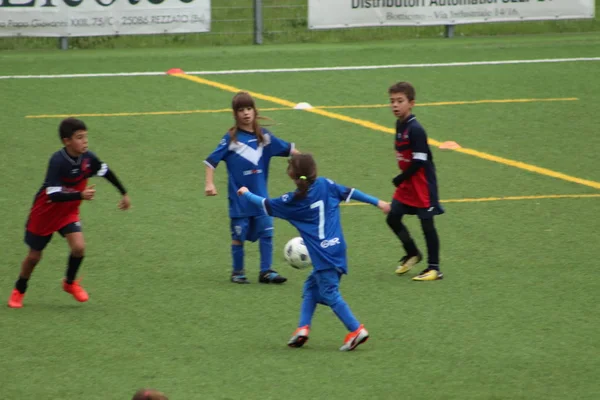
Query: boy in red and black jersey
[416,186]
[56,207]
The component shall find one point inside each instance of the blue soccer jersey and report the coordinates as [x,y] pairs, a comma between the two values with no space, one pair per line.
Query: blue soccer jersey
[317,218]
[247,165]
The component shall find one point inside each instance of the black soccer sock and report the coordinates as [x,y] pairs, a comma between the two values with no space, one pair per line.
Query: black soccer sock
[395,223]
[74,263]
[433,243]
[21,284]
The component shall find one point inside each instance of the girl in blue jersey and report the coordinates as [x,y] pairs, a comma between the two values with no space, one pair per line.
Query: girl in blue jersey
[314,210]
[247,149]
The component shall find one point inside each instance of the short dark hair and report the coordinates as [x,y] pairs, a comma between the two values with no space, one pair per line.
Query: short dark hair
[403,87]
[69,126]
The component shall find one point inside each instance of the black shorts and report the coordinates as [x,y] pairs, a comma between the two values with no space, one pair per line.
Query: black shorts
[39,243]
[400,209]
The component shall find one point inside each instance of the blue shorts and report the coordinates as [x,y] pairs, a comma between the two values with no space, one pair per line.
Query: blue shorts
[39,243]
[251,228]
[324,286]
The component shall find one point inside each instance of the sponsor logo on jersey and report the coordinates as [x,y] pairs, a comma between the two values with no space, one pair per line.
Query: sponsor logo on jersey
[330,242]
[253,171]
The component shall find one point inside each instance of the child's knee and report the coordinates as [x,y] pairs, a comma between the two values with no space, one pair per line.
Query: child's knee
[428,225]
[394,221]
[330,297]
[34,257]
[78,250]
[236,243]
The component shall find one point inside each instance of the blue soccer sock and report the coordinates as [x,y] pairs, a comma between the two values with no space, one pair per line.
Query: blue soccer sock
[307,310]
[237,254]
[343,312]
[265,245]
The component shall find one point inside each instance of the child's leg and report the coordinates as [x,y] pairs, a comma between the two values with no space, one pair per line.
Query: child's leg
[27,266]
[239,230]
[328,281]
[74,236]
[265,245]
[433,243]
[237,255]
[264,227]
[309,301]
[36,245]
[394,221]
[261,229]
[77,246]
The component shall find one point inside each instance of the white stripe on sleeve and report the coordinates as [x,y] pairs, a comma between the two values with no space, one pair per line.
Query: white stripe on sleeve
[53,189]
[350,195]
[265,207]
[209,164]
[103,170]
[420,156]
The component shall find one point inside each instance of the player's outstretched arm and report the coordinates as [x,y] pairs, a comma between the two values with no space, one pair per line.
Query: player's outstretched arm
[256,201]
[357,195]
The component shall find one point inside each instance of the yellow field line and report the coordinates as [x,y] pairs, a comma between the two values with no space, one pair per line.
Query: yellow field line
[288,108]
[381,128]
[456,103]
[504,198]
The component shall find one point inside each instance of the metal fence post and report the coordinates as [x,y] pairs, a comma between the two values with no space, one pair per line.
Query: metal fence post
[449,31]
[63,43]
[258,22]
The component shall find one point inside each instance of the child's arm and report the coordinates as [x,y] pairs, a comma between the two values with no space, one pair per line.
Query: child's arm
[55,191]
[125,202]
[60,196]
[366,198]
[219,154]
[209,186]
[255,200]
[419,146]
[410,171]
[101,169]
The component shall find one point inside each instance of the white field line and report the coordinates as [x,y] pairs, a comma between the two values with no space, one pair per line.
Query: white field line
[310,69]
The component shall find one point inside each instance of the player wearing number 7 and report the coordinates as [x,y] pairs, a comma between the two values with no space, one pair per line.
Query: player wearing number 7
[56,207]
[314,210]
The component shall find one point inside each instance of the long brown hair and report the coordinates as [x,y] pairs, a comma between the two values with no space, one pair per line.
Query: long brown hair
[149,394]
[302,168]
[243,100]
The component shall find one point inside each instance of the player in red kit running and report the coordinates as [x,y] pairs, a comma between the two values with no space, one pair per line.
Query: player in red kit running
[56,207]
[416,187]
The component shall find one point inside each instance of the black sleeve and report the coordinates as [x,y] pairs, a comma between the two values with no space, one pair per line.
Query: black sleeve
[112,178]
[410,171]
[58,197]
[420,149]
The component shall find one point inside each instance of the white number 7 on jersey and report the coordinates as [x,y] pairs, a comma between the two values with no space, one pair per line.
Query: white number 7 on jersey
[321,207]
